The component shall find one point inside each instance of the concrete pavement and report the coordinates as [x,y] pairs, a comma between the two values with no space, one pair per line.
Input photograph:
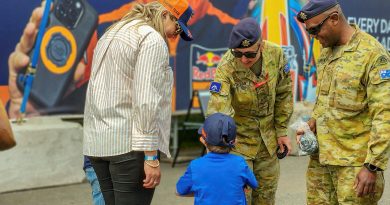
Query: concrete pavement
[291,189]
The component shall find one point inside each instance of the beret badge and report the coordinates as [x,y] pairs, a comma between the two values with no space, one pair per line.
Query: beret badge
[303,16]
[245,43]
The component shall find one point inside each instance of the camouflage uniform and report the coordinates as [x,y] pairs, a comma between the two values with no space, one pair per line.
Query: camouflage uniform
[261,113]
[353,120]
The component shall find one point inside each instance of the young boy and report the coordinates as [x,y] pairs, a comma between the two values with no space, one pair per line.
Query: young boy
[218,177]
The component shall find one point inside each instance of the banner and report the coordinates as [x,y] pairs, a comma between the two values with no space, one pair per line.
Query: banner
[371,17]
[195,62]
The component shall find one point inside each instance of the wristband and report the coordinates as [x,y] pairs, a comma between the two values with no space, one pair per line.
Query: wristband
[372,168]
[150,158]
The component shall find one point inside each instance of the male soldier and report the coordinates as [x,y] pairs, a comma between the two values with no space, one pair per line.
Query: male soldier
[253,85]
[352,111]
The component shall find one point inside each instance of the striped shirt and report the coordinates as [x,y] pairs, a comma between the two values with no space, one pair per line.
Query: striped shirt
[128,102]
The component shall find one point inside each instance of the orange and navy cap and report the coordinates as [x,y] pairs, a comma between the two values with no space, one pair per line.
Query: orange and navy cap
[183,12]
[219,130]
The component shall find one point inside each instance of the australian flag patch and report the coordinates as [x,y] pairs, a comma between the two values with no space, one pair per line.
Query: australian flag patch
[215,87]
[385,74]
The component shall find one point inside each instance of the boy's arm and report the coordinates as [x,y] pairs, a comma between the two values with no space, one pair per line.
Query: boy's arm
[184,185]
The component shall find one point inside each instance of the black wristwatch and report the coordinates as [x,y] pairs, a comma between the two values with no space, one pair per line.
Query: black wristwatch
[371,168]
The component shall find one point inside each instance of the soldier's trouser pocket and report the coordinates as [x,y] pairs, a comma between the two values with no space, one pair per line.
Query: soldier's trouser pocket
[346,194]
[333,185]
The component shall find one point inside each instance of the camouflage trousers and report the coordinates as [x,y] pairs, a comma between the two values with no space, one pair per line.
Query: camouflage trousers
[267,171]
[333,185]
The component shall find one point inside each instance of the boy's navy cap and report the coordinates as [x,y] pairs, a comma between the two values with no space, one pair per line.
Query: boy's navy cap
[219,130]
[244,34]
[314,8]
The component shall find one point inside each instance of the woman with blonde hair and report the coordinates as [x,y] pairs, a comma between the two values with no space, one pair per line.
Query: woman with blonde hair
[128,105]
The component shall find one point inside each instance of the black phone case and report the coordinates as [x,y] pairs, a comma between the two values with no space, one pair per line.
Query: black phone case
[70,27]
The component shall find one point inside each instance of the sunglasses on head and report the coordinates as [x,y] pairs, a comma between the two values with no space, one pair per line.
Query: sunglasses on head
[316,29]
[239,54]
[178,28]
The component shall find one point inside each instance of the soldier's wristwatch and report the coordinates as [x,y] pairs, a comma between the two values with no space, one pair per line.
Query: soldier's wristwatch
[371,168]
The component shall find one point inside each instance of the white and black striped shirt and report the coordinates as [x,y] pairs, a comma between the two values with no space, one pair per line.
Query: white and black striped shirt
[128,103]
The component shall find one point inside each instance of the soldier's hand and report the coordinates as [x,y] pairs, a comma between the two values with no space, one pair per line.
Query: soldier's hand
[365,182]
[284,140]
[300,132]
[298,136]
[312,125]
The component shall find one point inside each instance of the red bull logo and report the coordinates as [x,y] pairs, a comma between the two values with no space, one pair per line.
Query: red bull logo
[205,66]
[204,62]
[208,59]
[199,75]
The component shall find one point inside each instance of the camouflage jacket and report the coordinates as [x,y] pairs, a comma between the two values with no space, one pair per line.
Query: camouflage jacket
[260,113]
[353,103]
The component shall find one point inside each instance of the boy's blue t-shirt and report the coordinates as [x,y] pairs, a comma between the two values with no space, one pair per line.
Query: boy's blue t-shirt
[217,179]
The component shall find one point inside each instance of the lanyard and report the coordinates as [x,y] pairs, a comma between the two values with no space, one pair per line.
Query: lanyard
[30,72]
[259,84]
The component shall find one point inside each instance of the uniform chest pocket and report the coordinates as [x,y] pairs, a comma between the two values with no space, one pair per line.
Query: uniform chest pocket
[262,96]
[243,95]
[349,93]
[326,76]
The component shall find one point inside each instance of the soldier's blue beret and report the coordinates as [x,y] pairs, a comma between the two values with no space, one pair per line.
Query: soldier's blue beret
[314,8]
[244,34]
